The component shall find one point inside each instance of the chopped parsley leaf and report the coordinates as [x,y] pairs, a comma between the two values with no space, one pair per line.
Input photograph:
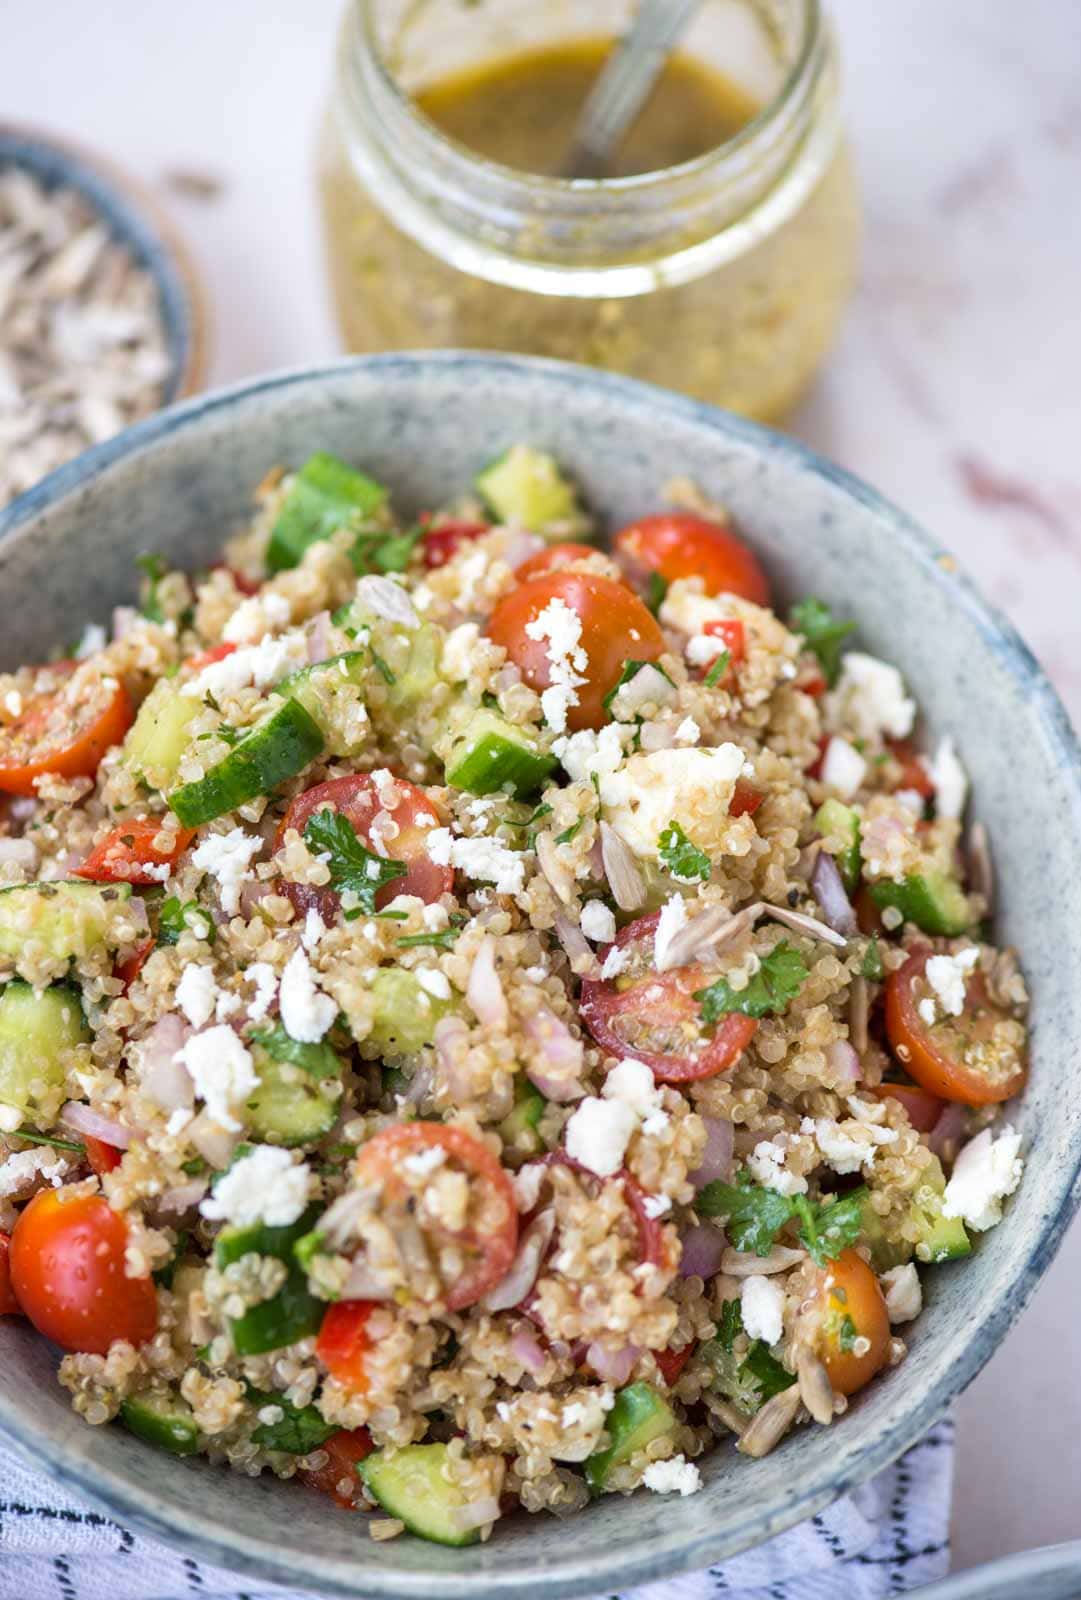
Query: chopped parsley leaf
[655,593]
[153,569]
[717,671]
[568,833]
[871,966]
[777,982]
[821,633]
[754,1217]
[847,1334]
[766,1373]
[683,859]
[32,1136]
[352,865]
[440,941]
[176,918]
[319,1060]
[381,667]
[730,1324]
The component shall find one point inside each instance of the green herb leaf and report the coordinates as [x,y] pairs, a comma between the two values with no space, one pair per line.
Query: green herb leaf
[298,1430]
[153,569]
[871,966]
[838,1225]
[822,634]
[194,1168]
[656,591]
[317,1059]
[683,859]
[439,941]
[380,549]
[769,1376]
[847,1333]
[753,1216]
[568,833]
[730,1324]
[776,983]
[630,670]
[32,1136]
[176,917]
[717,671]
[352,865]
[307,1247]
[381,667]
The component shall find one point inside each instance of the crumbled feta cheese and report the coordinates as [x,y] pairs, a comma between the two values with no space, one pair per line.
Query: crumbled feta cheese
[261,665]
[220,1067]
[178,1120]
[616,961]
[567,661]
[385,598]
[675,1476]
[19,1174]
[433,982]
[598,923]
[843,768]
[255,617]
[762,1308]
[656,1205]
[704,648]
[911,799]
[483,859]
[587,754]
[423,1162]
[13,703]
[306,1013]
[265,1186]
[598,1133]
[456,662]
[691,612]
[985,1172]
[633,1084]
[269,1415]
[265,979]
[904,1297]
[197,994]
[840,1150]
[435,917]
[766,1164]
[314,929]
[673,917]
[926,1009]
[950,780]
[227,857]
[92,641]
[870,699]
[649,686]
[688,732]
[690,786]
[947,976]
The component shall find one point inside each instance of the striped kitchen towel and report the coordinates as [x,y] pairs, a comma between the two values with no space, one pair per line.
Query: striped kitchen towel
[890,1535]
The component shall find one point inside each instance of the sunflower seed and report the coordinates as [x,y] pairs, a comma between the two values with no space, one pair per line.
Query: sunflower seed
[709,931]
[859,1010]
[621,869]
[815,1388]
[741,1264]
[768,1427]
[803,924]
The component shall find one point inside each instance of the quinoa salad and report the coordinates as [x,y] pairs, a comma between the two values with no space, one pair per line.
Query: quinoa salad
[487,1015]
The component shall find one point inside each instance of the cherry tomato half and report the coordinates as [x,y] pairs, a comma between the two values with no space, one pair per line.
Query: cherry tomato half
[441,543]
[488,1245]
[343,1343]
[128,853]
[914,773]
[615,628]
[851,1321]
[129,970]
[680,545]
[923,1109]
[357,799]
[733,636]
[654,1017]
[67,1271]
[337,1477]
[553,559]
[101,1156]
[207,658]
[65,728]
[961,1058]
[745,800]
[670,1363]
[9,1306]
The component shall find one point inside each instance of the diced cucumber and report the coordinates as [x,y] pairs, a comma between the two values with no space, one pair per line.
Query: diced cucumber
[526,487]
[941,1238]
[328,693]
[884,1252]
[293,1313]
[317,1060]
[163,1420]
[491,752]
[414,663]
[298,1430]
[289,1107]
[66,919]
[404,1015]
[158,738]
[325,495]
[37,1029]
[932,900]
[639,1416]
[835,820]
[411,1484]
[518,1130]
[277,748]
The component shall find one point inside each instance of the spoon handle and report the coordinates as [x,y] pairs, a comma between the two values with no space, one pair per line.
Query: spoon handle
[623,86]
[1050,1573]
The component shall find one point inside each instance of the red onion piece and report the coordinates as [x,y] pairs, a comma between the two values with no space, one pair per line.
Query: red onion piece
[829,891]
[717,1157]
[563,1057]
[214,1143]
[475,1514]
[512,1289]
[95,1126]
[613,1366]
[484,991]
[519,546]
[319,637]
[703,1247]
[163,1078]
[579,952]
[526,1347]
[19,853]
[250,895]
[947,1130]
[844,1061]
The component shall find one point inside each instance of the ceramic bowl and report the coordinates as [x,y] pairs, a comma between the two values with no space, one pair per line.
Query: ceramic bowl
[424,424]
[137,220]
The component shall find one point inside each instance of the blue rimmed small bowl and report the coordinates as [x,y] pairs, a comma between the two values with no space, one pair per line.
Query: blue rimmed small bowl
[424,424]
[137,221]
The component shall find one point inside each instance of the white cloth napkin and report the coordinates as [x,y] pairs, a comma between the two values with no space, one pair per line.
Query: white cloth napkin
[888,1536]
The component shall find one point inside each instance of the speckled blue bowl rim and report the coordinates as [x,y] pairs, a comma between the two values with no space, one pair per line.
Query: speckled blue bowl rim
[629,1565]
[58,163]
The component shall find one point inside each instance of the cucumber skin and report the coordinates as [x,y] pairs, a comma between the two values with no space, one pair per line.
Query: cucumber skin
[293,1313]
[72,912]
[834,817]
[33,1031]
[639,1415]
[410,1486]
[291,1113]
[276,749]
[490,753]
[327,494]
[179,1435]
[934,902]
[157,739]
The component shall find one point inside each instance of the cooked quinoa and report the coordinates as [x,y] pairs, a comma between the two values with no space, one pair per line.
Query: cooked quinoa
[494,1035]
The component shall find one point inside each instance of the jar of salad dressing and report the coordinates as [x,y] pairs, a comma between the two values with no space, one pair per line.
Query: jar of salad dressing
[715,257]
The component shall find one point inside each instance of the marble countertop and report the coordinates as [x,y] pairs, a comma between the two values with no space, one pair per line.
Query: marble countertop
[953,389]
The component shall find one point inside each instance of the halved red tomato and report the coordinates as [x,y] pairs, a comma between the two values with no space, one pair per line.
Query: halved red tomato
[681,545]
[654,1017]
[65,727]
[963,1058]
[923,1109]
[128,853]
[101,1156]
[129,970]
[441,543]
[652,1243]
[671,1363]
[486,1246]
[357,799]
[337,1477]
[553,559]
[207,658]
[343,1343]
[851,1322]
[615,628]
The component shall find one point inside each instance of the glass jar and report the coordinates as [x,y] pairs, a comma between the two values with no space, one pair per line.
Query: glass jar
[724,277]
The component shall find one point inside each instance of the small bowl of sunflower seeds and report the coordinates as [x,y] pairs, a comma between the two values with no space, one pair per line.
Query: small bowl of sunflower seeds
[102,320]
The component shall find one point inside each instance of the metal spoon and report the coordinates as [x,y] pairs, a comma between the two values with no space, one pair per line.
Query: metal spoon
[624,85]
[1050,1573]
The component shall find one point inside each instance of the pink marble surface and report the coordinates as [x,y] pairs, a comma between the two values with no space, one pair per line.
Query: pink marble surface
[954,387]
